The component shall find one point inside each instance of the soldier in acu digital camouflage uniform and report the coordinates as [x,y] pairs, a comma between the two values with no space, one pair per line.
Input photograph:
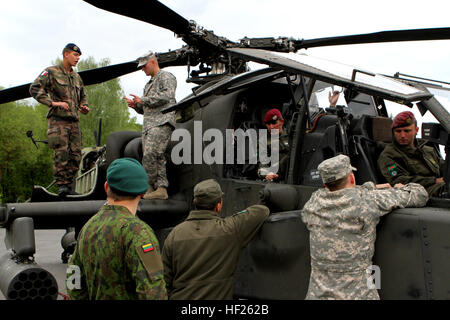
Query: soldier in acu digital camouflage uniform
[61,89]
[117,254]
[159,93]
[408,159]
[342,221]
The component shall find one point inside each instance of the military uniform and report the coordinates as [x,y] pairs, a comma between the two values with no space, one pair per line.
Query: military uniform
[283,158]
[200,255]
[55,84]
[159,93]
[420,164]
[342,226]
[118,255]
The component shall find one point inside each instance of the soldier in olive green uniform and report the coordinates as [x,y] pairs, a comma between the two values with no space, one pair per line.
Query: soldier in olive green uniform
[118,255]
[61,89]
[408,159]
[200,255]
[275,171]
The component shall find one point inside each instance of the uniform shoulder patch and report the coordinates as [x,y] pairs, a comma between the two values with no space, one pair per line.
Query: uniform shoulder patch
[148,247]
[44,73]
[392,169]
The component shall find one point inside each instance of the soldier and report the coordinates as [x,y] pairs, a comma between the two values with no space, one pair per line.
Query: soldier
[408,159]
[61,89]
[117,254]
[159,93]
[274,121]
[342,220]
[200,255]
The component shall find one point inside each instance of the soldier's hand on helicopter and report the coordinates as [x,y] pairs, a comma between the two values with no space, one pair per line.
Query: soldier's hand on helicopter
[383,186]
[130,102]
[333,98]
[84,109]
[439,180]
[136,99]
[61,104]
[399,185]
[271,176]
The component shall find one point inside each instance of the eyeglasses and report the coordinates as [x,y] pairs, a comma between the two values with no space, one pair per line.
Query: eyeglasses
[271,122]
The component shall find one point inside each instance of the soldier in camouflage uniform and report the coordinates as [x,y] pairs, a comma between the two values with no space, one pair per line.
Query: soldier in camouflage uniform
[274,121]
[159,93]
[408,159]
[61,89]
[342,220]
[117,254]
[200,255]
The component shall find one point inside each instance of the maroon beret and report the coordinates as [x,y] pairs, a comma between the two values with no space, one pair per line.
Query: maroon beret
[403,119]
[272,115]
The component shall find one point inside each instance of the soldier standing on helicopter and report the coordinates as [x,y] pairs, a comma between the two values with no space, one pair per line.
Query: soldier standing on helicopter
[159,93]
[62,90]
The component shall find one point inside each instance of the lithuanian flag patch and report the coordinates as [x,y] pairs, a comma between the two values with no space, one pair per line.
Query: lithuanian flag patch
[148,247]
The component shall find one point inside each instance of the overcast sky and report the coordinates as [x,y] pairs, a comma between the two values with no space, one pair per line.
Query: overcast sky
[33,33]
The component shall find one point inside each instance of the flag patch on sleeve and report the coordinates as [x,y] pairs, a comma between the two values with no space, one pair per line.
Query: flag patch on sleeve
[44,73]
[147,247]
[392,169]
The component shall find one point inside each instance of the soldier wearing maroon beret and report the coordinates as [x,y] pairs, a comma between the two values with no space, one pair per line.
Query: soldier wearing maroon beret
[274,122]
[409,159]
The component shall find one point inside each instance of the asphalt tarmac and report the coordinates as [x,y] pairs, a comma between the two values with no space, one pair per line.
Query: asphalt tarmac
[48,255]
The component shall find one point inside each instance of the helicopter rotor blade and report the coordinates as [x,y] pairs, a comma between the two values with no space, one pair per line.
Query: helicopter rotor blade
[89,77]
[150,11]
[377,37]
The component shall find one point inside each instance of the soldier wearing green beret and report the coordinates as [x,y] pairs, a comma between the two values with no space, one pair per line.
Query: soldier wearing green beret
[200,255]
[118,255]
[61,89]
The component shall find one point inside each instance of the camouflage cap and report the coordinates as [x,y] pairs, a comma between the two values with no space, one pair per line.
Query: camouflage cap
[142,60]
[73,47]
[335,168]
[128,176]
[207,192]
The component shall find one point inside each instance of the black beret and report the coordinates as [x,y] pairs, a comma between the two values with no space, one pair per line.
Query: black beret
[73,47]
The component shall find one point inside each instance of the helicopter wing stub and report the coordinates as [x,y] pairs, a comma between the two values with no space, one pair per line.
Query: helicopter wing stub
[15,93]
[335,73]
[377,37]
[150,11]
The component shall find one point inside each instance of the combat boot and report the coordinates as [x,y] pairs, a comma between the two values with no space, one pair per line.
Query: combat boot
[149,191]
[160,193]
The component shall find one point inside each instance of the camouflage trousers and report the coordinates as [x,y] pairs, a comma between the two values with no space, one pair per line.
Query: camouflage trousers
[330,285]
[154,144]
[64,137]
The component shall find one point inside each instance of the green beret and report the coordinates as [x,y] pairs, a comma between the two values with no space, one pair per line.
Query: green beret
[207,192]
[127,175]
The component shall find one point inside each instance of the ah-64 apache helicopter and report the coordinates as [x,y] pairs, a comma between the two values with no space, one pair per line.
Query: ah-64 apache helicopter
[412,248]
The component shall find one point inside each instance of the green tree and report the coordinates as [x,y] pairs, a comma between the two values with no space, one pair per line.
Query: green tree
[22,165]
